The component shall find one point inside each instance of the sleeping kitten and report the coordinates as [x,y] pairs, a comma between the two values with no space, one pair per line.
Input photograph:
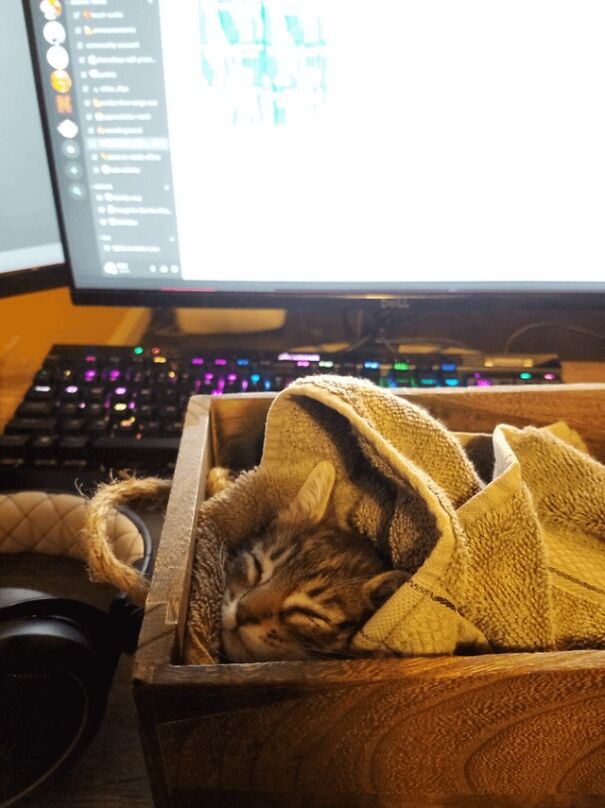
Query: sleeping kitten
[303,588]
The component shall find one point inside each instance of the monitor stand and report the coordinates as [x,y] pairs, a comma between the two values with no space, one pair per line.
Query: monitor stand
[229,321]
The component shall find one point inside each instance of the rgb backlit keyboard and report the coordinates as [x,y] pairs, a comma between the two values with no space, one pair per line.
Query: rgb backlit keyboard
[90,409]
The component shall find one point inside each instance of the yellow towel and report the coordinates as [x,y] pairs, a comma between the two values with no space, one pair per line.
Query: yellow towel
[514,564]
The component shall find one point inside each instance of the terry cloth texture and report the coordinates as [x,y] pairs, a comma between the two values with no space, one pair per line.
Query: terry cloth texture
[515,563]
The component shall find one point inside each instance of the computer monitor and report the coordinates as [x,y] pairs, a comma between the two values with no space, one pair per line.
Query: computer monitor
[267,152]
[31,256]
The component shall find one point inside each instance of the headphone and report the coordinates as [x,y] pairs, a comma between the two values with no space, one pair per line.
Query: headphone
[57,660]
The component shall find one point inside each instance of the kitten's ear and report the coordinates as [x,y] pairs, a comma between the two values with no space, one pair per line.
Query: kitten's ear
[379,589]
[311,502]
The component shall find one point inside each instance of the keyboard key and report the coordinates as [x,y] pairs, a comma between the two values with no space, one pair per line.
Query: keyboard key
[13,445]
[93,410]
[44,446]
[149,427]
[77,464]
[35,408]
[168,411]
[74,447]
[167,395]
[95,392]
[173,428]
[70,392]
[36,425]
[9,463]
[39,392]
[137,377]
[126,426]
[71,424]
[96,425]
[43,376]
[50,462]
[68,409]
[121,451]
[88,376]
[119,409]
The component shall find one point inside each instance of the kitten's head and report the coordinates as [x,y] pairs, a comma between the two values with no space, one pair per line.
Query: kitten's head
[303,588]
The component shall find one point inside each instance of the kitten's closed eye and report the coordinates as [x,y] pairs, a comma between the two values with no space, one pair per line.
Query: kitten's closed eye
[302,611]
[256,568]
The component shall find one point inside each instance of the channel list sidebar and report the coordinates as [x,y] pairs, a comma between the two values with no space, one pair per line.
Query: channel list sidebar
[101,71]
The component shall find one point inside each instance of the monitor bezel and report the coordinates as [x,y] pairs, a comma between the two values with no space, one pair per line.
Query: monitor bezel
[36,277]
[33,279]
[320,301]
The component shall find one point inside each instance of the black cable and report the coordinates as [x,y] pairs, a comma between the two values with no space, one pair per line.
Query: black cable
[524,329]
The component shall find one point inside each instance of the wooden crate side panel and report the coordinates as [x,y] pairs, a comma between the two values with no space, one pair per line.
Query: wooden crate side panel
[238,429]
[152,750]
[166,606]
[260,799]
[581,406]
[238,422]
[515,729]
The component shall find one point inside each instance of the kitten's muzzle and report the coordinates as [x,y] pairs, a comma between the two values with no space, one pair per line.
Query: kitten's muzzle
[245,616]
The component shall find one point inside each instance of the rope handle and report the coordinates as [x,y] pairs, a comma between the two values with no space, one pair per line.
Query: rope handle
[103,563]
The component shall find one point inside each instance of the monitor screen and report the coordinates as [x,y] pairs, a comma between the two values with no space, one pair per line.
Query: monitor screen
[292,147]
[30,246]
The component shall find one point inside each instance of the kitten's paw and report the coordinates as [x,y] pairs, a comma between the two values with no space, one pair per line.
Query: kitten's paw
[218,479]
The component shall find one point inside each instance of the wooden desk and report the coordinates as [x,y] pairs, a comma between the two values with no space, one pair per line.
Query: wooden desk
[583,372]
[30,324]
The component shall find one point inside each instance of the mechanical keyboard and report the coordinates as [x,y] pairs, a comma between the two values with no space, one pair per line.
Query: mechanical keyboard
[93,410]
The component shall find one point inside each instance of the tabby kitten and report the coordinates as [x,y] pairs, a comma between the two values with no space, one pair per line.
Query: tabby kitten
[303,588]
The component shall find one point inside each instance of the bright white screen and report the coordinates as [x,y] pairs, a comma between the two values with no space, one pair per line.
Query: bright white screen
[29,234]
[387,142]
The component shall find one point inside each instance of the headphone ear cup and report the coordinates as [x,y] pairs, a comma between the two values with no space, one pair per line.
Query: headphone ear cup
[55,671]
[57,660]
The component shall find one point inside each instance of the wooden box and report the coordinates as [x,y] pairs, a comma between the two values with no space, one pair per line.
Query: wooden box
[498,730]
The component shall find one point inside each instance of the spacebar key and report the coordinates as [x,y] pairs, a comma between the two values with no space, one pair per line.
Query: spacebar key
[123,451]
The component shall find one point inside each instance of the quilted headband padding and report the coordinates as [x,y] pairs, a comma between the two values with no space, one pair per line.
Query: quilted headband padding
[41,522]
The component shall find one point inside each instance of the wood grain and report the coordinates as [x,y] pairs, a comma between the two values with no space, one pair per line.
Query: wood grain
[163,628]
[238,421]
[579,405]
[466,731]
[528,724]
[238,429]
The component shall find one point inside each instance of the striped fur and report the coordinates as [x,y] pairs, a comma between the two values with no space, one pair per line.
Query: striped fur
[303,588]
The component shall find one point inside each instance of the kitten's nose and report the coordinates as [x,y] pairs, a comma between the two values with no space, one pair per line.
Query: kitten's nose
[245,615]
